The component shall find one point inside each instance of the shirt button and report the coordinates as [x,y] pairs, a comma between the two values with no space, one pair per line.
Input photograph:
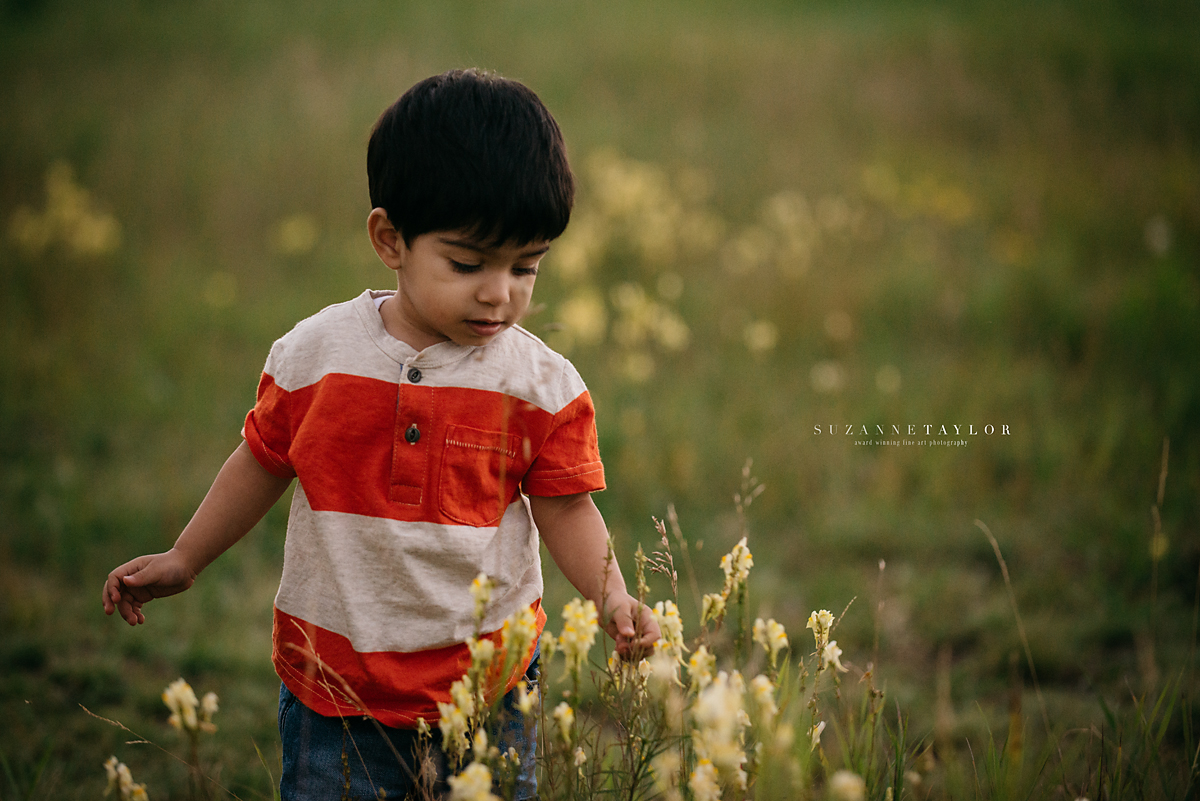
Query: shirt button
[412,434]
[414,375]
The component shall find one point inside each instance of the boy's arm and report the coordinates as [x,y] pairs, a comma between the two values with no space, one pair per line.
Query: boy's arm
[575,534]
[241,494]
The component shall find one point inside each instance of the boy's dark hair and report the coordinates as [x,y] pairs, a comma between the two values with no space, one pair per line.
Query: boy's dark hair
[469,150]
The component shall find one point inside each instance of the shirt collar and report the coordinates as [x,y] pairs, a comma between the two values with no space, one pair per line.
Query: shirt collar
[440,354]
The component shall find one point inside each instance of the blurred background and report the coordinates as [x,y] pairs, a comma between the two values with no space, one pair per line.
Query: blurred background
[791,216]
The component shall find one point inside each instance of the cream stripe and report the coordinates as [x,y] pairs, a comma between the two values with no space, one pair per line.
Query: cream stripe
[393,586]
[345,338]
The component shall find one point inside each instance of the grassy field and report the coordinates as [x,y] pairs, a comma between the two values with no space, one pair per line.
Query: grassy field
[793,218]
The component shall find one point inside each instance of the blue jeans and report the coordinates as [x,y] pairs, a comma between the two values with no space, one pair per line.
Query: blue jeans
[327,758]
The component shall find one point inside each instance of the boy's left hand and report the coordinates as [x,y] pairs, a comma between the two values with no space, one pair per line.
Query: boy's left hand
[631,625]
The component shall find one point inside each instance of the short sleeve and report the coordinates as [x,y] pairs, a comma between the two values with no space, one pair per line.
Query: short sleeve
[268,428]
[568,462]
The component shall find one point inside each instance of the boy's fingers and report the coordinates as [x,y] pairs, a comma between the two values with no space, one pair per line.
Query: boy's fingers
[125,607]
[624,620]
[113,594]
[137,576]
[138,581]
[647,618]
[649,626]
[129,609]
[632,650]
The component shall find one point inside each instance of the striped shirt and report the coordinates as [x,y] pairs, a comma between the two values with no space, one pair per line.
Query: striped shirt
[412,468]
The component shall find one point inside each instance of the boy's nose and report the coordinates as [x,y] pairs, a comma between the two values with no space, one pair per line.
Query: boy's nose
[494,290]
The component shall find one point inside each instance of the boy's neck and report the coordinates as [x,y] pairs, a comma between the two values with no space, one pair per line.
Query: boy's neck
[397,328]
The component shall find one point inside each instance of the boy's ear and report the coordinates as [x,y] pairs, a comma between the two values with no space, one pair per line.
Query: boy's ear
[388,242]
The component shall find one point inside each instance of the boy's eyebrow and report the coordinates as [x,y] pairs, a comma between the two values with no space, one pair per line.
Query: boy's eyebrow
[475,247]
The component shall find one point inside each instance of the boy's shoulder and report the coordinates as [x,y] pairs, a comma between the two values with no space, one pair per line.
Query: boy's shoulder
[520,364]
[331,317]
[521,343]
[338,338]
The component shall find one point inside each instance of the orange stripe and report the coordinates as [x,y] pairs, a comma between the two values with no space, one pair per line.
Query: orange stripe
[328,676]
[345,437]
[265,428]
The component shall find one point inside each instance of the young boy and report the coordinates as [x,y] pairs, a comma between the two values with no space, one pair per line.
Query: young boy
[433,439]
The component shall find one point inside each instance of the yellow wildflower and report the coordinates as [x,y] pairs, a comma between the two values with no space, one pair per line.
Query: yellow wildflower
[701,667]
[564,716]
[771,636]
[455,717]
[580,757]
[527,700]
[454,726]
[549,645]
[121,780]
[181,700]
[736,564]
[480,744]
[124,780]
[712,607]
[663,668]
[764,697]
[473,784]
[820,623]
[580,624]
[665,768]
[847,786]
[618,670]
[481,591]
[482,651]
[70,219]
[814,734]
[462,693]
[670,624]
[110,767]
[830,655]
[208,708]
[720,720]
[518,632]
[704,782]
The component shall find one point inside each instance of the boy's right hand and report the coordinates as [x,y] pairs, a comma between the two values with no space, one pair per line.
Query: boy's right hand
[144,579]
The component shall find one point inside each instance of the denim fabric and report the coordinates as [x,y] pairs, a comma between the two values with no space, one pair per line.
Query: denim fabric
[511,731]
[328,758]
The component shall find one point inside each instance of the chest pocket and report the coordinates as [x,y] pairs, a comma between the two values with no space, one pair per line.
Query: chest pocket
[480,473]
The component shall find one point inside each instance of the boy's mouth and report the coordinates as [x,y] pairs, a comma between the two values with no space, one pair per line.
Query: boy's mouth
[486,328]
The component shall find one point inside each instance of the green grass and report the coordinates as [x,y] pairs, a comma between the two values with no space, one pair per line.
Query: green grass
[1008,172]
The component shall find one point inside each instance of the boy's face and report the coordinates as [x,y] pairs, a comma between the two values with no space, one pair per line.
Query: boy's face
[452,287]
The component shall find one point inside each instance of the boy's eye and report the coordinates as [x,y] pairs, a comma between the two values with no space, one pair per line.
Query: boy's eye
[459,267]
[530,270]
